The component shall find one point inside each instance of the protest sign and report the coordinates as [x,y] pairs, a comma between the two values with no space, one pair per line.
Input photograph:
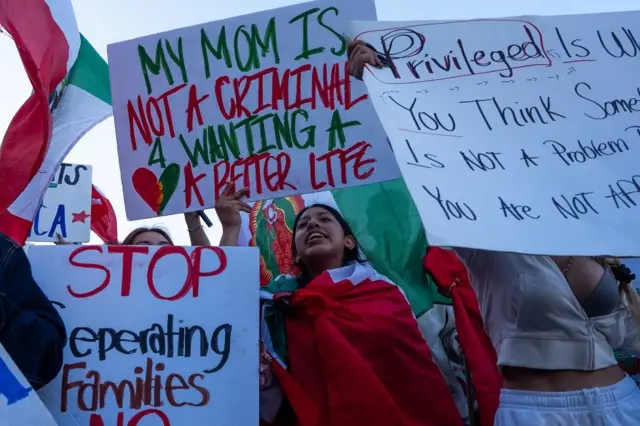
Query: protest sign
[157,335]
[66,207]
[263,100]
[19,403]
[516,134]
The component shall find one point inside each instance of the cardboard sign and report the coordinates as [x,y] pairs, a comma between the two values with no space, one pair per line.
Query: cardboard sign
[157,335]
[19,403]
[516,134]
[263,100]
[66,206]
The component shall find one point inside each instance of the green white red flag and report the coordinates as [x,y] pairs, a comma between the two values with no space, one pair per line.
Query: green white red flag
[383,218]
[70,96]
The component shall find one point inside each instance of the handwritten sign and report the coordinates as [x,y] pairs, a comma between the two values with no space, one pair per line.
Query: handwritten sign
[66,206]
[263,100]
[163,335]
[516,134]
[19,403]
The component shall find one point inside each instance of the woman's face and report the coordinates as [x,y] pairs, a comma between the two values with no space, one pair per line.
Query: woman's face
[150,238]
[319,235]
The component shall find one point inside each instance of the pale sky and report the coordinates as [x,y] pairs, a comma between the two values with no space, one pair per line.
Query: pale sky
[107,21]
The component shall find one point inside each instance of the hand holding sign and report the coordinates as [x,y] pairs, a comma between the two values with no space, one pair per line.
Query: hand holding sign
[59,241]
[360,55]
[229,206]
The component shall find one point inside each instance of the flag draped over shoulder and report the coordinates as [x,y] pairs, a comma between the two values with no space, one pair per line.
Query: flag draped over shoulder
[70,96]
[384,219]
[350,352]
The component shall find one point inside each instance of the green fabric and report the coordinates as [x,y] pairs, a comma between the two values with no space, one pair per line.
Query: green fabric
[90,72]
[274,318]
[389,229]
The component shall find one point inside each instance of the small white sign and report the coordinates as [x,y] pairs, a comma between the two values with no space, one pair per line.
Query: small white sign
[19,403]
[66,207]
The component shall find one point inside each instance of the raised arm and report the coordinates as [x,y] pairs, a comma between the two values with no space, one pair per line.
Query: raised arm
[228,208]
[197,235]
[31,329]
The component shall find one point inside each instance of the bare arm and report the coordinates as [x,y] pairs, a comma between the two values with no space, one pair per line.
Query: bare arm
[230,236]
[228,208]
[197,235]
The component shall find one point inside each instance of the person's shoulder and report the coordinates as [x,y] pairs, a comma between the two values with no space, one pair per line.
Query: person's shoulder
[5,241]
[8,248]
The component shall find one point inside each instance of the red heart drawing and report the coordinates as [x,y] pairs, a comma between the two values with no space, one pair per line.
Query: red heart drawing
[148,187]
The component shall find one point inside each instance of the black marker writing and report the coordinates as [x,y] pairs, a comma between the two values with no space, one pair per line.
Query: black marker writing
[608,108]
[166,340]
[528,160]
[586,152]
[516,211]
[625,45]
[520,116]
[626,188]
[429,121]
[432,159]
[452,209]
[482,161]
[574,48]
[578,205]
[69,174]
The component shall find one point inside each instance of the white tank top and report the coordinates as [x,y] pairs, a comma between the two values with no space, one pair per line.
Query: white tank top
[534,320]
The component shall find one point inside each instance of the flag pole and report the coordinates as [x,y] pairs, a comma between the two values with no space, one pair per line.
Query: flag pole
[205,218]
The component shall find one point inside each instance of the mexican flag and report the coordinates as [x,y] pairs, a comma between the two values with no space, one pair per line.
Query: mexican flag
[70,96]
[333,375]
[384,219]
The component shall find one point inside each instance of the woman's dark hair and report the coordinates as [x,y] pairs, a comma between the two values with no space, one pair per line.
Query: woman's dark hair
[128,241]
[350,255]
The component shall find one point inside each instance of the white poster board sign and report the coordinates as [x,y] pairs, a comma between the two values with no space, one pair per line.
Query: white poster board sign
[19,403]
[157,335]
[66,206]
[263,100]
[516,134]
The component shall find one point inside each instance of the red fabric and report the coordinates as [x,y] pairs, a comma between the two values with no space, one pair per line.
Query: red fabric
[104,221]
[359,359]
[14,227]
[44,52]
[447,269]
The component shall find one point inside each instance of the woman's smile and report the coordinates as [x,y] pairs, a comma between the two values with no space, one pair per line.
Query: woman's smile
[315,237]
